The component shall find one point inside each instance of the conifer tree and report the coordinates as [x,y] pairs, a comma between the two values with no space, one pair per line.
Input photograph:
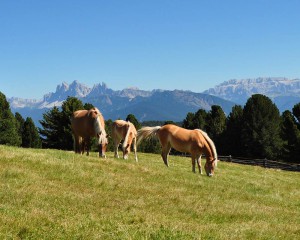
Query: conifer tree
[8,124]
[296,113]
[231,139]
[88,106]
[20,124]
[199,121]
[261,128]
[291,137]
[52,129]
[30,135]
[215,125]
[188,122]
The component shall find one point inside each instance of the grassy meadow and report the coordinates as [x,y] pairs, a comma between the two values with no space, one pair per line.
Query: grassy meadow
[52,194]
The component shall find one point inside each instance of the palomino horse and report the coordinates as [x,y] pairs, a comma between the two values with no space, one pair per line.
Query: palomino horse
[196,142]
[85,125]
[122,130]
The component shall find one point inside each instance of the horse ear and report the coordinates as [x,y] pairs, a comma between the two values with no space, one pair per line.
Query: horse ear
[90,112]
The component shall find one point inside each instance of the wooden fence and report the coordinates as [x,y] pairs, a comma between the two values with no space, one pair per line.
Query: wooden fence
[265,163]
[262,163]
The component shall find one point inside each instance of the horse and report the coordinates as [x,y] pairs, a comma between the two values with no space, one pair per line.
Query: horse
[122,130]
[196,142]
[85,125]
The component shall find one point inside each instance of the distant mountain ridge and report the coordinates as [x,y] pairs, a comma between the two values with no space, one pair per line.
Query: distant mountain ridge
[162,104]
[145,105]
[284,92]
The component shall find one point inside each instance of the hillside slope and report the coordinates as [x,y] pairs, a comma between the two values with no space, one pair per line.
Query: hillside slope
[59,195]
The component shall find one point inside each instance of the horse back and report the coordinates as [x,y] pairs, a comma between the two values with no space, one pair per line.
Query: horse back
[120,128]
[183,140]
[82,124]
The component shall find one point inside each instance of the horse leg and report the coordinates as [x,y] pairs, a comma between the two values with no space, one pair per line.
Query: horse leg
[82,146]
[199,164]
[165,152]
[116,143]
[193,164]
[77,144]
[87,145]
[134,148]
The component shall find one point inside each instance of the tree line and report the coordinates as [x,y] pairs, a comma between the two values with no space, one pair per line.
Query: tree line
[15,130]
[257,130]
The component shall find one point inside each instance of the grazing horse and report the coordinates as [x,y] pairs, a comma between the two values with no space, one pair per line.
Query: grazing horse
[85,125]
[196,142]
[122,130]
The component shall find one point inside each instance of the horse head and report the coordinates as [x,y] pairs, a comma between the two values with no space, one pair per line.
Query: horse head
[126,147]
[210,166]
[102,143]
[99,129]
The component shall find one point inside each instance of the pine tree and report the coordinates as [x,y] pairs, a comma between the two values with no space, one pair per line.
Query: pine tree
[296,113]
[88,106]
[261,128]
[8,124]
[20,124]
[199,120]
[291,136]
[188,122]
[231,139]
[30,135]
[52,129]
[216,125]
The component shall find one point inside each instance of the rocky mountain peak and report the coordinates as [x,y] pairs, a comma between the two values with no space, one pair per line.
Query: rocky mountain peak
[240,90]
[75,89]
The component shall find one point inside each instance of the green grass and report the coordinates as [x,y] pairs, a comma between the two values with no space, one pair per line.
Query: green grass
[51,194]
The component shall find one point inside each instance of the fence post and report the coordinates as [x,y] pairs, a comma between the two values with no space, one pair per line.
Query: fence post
[265,162]
[229,158]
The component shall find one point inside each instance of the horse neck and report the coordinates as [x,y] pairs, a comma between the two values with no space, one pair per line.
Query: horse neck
[210,149]
[99,126]
[209,153]
[127,135]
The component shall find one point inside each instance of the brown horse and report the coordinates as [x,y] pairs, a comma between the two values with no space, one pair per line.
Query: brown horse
[196,142]
[85,125]
[122,130]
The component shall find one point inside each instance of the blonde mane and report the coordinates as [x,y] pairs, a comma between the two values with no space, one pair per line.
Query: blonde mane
[211,144]
[127,135]
[99,129]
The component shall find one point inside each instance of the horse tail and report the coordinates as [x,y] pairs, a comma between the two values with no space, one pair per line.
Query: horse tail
[211,144]
[146,133]
[127,135]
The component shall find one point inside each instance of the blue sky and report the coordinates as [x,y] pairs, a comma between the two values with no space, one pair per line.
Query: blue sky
[149,44]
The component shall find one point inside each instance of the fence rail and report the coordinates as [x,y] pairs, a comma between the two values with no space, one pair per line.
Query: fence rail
[262,163]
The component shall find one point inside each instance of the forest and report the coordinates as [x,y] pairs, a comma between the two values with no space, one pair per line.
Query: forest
[256,130]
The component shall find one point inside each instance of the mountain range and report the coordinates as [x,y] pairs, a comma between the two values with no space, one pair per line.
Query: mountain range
[162,104]
[284,92]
